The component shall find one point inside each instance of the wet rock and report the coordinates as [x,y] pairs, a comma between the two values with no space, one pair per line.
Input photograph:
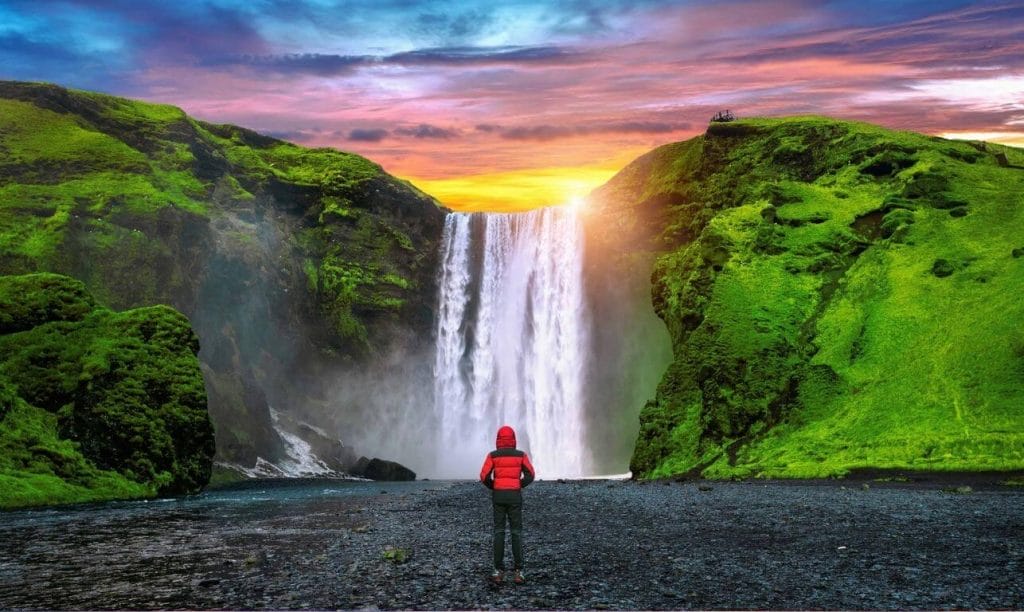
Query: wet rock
[331,451]
[382,469]
[359,467]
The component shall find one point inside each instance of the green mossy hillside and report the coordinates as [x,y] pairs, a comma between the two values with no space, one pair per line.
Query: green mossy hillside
[85,175]
[839,296]
[288,260]
[96,404]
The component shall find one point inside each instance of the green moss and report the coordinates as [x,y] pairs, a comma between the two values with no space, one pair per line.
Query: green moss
[31,300]
[37,140]
[813,331]
[38,467]
[133,110]
[112,404]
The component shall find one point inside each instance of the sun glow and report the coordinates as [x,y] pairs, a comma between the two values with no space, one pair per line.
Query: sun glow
[576,202]
[519,190]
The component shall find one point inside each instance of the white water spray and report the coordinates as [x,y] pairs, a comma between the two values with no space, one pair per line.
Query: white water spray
[512,339]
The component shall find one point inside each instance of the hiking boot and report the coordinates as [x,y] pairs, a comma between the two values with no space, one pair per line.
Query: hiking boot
[518,578]
[497,576]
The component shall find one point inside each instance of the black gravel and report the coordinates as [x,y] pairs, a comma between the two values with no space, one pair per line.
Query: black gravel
[589,545]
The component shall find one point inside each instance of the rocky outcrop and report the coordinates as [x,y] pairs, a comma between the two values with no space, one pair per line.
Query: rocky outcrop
[96,404]
[827,307]
[291,263]
[381,469]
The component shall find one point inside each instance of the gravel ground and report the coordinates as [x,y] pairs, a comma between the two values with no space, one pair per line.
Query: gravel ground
[589,544]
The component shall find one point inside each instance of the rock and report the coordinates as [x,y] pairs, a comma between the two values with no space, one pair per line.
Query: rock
[382,469]
[331,451]
[359,467]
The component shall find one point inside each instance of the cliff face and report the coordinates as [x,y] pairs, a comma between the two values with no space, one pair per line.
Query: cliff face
[96,404]
[838,296]
[289,261]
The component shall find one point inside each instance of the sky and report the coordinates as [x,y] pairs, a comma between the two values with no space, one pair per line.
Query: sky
[510,105]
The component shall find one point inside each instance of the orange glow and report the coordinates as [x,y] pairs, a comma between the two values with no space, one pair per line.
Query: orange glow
[518,190]
[1014,139]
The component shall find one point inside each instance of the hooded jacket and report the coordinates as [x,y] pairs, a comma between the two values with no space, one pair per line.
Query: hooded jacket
[506,469]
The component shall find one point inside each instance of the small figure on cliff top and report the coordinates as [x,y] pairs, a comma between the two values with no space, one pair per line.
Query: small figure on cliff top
[506,471]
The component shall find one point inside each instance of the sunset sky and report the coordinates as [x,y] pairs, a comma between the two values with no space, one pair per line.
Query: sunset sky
[505,105]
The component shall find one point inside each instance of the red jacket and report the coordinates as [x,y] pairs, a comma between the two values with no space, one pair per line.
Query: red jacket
[505,468]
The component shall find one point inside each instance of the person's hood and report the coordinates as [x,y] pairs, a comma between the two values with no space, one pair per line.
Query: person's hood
[506,437]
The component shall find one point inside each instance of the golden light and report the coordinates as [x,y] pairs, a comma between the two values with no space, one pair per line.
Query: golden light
[519,189]
[577,202]
[1013,139]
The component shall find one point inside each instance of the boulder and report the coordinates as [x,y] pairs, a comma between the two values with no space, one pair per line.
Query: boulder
[381,469]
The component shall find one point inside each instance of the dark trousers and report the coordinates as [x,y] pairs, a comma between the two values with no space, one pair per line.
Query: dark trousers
[513,513]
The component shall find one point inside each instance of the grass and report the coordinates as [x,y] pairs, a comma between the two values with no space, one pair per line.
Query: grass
[811,340]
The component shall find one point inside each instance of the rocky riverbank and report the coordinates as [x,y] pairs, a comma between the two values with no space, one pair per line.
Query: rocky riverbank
[590,544]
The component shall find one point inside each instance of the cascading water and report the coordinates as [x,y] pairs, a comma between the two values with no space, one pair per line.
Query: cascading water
[512,339]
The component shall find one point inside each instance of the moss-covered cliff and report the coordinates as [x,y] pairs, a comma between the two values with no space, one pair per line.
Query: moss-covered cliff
[287,260]
[96,404]
[839,296]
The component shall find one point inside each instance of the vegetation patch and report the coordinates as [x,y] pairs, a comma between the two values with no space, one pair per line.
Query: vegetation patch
[828,309]
[96,404]
[148,206]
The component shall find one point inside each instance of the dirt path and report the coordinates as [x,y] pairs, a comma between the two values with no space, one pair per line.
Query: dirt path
[591,544]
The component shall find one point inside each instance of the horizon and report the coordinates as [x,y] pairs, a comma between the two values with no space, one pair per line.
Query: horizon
[530,103]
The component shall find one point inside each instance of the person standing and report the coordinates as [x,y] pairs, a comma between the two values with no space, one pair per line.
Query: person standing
[506,471]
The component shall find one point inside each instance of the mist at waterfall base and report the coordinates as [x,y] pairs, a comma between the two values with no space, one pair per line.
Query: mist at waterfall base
[518,343]
[533,328]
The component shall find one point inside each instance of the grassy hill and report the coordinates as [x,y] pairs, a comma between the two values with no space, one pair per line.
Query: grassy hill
[839,296]
[290,262]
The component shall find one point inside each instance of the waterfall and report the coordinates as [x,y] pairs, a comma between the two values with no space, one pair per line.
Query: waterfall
[512,339]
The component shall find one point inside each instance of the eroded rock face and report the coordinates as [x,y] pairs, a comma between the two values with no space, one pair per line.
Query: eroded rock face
[99,404]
